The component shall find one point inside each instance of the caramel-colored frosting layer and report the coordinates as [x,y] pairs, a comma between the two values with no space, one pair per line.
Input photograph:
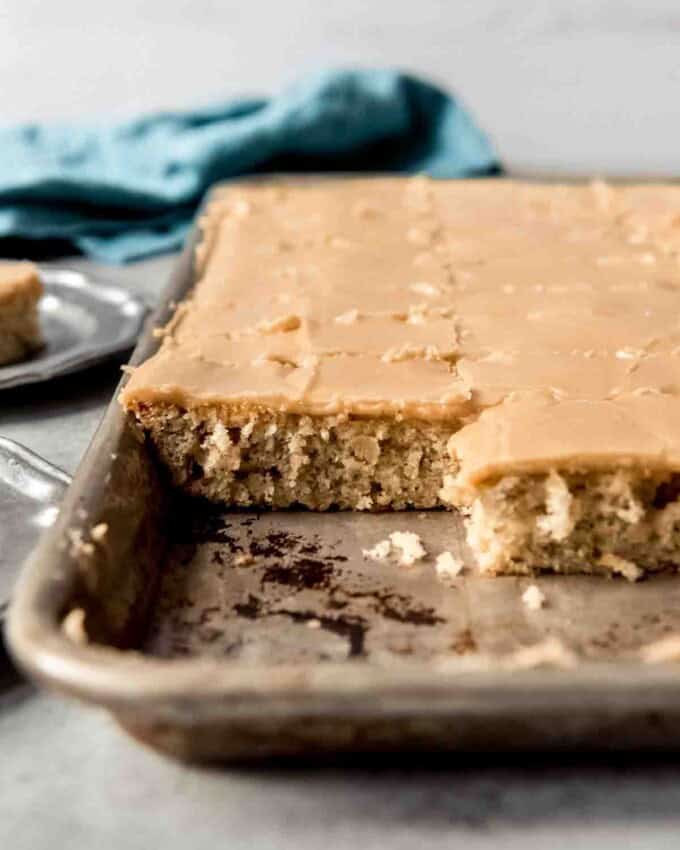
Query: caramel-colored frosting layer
[546,318]
[18,280]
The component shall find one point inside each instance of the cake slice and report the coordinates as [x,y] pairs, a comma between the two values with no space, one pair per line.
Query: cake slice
[571,486]
[305,368]
[20,291]
[508,349]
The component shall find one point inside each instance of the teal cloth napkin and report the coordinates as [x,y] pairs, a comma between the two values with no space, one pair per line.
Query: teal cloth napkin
[123,192]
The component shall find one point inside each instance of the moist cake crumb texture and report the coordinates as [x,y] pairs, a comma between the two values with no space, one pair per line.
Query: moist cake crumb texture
[406,545]
[448,566]
[20,291]
[409,547]
[533,597]
[508,349]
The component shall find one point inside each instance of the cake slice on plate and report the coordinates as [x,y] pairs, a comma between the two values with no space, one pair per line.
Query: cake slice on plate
[20,292]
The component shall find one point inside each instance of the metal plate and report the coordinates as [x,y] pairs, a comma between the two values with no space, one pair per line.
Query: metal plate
[30,492]
[83,321]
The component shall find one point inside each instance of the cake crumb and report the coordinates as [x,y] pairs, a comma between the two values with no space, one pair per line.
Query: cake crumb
[627,569]
[73,626]
[99,532]
[533,597]
[662,651]
[411,547]
[448,566]
[77,544]
[407,543]
[379,552]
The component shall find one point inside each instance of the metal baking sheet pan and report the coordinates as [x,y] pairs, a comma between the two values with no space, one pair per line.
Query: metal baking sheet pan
[84,322]
[215,635]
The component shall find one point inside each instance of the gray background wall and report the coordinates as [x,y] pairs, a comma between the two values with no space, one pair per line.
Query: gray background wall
[566,85]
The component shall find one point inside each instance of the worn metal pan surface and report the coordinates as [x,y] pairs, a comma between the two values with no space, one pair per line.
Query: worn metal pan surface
[218,635]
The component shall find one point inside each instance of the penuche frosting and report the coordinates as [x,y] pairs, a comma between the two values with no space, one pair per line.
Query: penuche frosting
[545,318]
